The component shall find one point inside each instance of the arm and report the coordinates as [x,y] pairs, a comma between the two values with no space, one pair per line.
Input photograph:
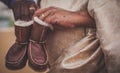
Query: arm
[57,16]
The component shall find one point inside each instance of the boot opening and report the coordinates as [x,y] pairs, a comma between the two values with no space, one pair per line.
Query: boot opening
[23,23]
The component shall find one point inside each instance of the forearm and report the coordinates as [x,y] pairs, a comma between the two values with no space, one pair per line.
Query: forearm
[83,19]
[58,16]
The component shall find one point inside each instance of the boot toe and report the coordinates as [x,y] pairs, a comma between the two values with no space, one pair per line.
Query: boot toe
[37,57]
[16,57]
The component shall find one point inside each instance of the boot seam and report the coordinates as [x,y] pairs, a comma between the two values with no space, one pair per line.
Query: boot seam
[46,62]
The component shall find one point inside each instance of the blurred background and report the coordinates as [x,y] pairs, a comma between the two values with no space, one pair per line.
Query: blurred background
[7,38]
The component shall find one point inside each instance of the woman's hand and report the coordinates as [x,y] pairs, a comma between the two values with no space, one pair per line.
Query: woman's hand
[61,17]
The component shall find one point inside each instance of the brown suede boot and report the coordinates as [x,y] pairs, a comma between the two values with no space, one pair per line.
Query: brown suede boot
[16,56]
[23,10]
[37,54]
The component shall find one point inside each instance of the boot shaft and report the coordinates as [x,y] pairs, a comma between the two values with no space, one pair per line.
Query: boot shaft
[22,33]
[37,53]
[38,33]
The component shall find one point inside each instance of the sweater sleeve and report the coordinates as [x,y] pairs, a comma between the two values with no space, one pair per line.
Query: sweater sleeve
[7,2]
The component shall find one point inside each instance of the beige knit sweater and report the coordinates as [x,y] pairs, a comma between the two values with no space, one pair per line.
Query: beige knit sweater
[73,50]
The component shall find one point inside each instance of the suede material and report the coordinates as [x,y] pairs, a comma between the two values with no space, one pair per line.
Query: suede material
[37,52]
[22,33]
[16,57]
[22,11]
[37,33]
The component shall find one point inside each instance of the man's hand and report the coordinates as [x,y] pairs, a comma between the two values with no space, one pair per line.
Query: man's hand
[57,16]
[23,9]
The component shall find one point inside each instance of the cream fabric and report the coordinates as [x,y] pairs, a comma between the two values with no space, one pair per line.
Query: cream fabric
[107,17]
[73,50]
[85,56]
[72,5]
